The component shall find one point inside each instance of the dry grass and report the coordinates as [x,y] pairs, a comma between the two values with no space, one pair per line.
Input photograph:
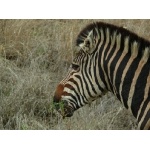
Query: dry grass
[34,57]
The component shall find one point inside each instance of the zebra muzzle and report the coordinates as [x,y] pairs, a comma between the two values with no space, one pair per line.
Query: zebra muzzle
[64,109]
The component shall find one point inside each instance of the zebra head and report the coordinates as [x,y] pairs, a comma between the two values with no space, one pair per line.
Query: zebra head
[82,83]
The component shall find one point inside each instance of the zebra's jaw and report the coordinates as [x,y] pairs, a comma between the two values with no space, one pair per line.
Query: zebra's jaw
[67,112]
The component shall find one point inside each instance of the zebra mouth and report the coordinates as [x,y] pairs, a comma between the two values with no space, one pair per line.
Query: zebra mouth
[67,112]
[64,109]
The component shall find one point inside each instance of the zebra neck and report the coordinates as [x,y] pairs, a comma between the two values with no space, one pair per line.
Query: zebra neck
[124,72]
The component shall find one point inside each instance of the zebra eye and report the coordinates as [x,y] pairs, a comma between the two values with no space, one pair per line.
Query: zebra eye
[75,66]
[87,43]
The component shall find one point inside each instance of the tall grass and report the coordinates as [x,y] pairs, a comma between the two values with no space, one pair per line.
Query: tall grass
[34,57]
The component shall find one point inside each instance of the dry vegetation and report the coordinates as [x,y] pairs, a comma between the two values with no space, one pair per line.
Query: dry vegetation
[34,57]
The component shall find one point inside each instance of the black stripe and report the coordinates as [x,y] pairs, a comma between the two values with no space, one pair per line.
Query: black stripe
[74,105]
[101,73]
[128,81]
[138,96]
[86,71]
[74,100]
[91,62]
[97,45]
[146,118]
[100,58]
[106,65]
[119,73]
[96,80]
[92,66]
[70,94]
[80,88]
[114,62]
[144,107]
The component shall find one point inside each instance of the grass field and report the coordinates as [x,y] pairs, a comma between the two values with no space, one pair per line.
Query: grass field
[34,57]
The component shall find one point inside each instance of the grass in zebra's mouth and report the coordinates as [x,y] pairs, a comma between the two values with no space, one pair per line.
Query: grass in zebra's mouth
[63,109]
[34,57]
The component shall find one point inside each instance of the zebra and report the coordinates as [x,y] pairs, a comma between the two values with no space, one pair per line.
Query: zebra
[107,58]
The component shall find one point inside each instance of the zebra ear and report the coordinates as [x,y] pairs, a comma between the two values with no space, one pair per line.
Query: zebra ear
[88,42]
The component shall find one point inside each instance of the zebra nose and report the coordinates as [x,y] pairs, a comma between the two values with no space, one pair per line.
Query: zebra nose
[58,93]
[57,96]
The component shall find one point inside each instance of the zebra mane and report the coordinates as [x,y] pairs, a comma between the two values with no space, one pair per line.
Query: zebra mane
[143,44]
